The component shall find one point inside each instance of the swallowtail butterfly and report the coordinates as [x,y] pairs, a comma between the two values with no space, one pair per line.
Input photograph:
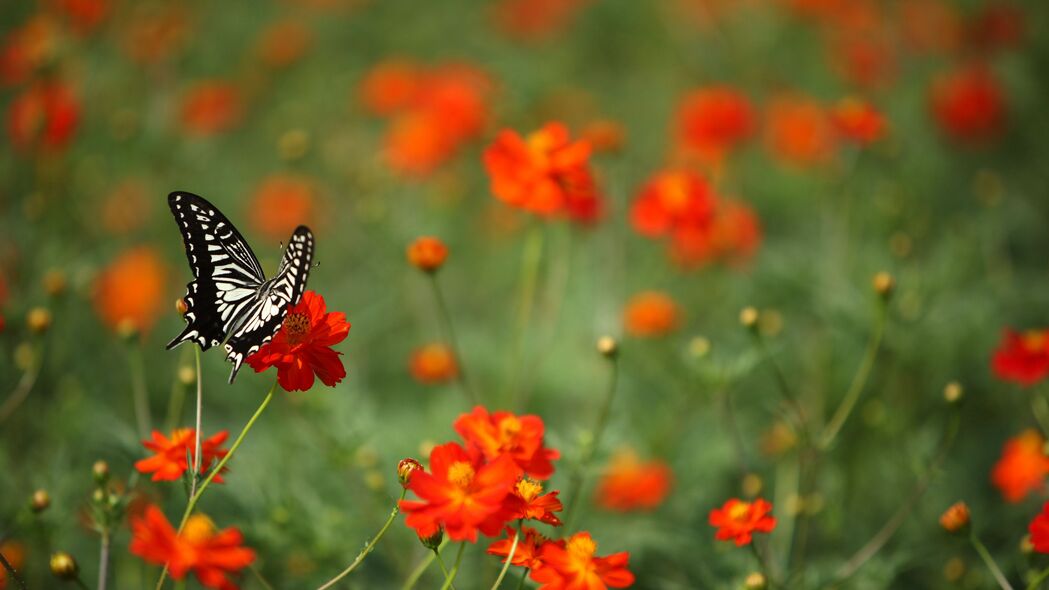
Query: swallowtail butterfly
[230,301]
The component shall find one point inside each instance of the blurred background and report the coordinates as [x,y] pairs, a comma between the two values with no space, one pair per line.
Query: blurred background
[841,137]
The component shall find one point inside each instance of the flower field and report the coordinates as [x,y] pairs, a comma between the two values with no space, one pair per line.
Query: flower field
[546,294]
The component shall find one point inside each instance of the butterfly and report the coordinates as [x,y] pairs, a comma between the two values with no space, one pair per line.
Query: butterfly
[230,301]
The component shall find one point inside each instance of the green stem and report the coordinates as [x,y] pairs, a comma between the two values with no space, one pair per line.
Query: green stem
[449,331]
[258,576]
[80,583]
[784,389]
[524,574]
[195,474]
[530,259]
[579,475]
[859,380]
[217,469]
[370,546]
[420,569]
[450,576]
[11,571]
[989,562]
[1037,582]
[139,393]
[1040,409]
[509,558]
[103,561]
[25,385]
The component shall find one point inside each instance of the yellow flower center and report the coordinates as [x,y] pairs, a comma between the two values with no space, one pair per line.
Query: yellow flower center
[461,474]
[674,195]
[529,489]
[296,326]
[199,529]
[739,511]
[581,547]
[1034,340]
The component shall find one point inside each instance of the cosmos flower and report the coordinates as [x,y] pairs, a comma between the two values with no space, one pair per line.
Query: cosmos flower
[43,117]
[673,200]
[503,433]
[968,104]
[433,363]
[798,130]
[528,548]
[710,122]
[1022,467]
[131,289]
[169,460]
[630,484]
[1039,530]
[651,313]
[574,566]
[302,347]
[427,253]
[211,107]
[858,121]
[737,520]
[281,202]
[528,502]
[1022,358]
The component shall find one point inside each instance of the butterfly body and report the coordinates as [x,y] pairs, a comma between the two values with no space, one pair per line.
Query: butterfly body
[230,301]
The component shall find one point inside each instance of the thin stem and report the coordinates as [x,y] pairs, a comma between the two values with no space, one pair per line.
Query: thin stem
[25,385]
[11,571]
[258,576]
[1040,409]
[1037,582]
[80,583]
[989,562]
[449,333]
[784,389]
[218,468]
[579,476]
[509,558]
[420,569]
[852,395]
[139,394]
[103,561]
[195,475]
[524,574]
[530,259]
[370,546]
[450,577]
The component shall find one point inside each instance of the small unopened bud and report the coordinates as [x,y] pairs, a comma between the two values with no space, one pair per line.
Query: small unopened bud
[883,284]
[180,306]
[99,495]
[64,567]
[608,347]
[752,485]
[127,330]
[24,356]
[749,317]
[100,471]
[433,541]
[55,283]
[405,468]
[1026,546]
[755,581]
[39,501]
[187,375]
[952,392]
[956,518]
[699,347]
[427,253]
[39,320]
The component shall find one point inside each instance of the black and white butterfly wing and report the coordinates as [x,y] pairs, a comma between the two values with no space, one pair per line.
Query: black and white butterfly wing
[265,314]
[226,274]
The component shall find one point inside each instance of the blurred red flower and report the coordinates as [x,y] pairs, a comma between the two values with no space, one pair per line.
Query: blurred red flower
[390,86]
[798,130]
[302,346]
[283,43]
[1022,467]
[857,120]
[1039,530]
[734,237]
[461,493]
[527,553]
[131,289]
[574,566]
[14,552]
[630,484]
[433,363]
[427,253]
[710,122]
[528,502]
[673,200]
[651,313]
[211,555]
[535,19]
[1022,357]
[996,26]
[211,107]
[280,203]
[503,433]
[44,116]
[737,520]
[545,173]
[28,47]
[169,460]
[968,104]
[83,15]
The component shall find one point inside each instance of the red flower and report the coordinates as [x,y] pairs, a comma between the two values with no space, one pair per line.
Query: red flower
[738,520]
[170,459]
[734,237]
[968,104]
[211,555]
[432,364]
[1022,358]
[1022,467]
[798,130]
[673,200]
[712,121]
[857,120]
[1039,529]
[28,47]
[535,19]
[503,433]
[651,313]
[546,173]
[460,493]
[574,567]
[528,547]
[210,108]
[302,347]
[45,116]
[628,484]
[528,502]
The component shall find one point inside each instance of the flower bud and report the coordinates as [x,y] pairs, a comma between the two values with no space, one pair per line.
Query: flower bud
[755,581]
[749,317]
[956,518]
[39,501]
[699,347]
[883,284]
[39,320]
[64,567]
[99,496]
[433,541]
[608,347]
[953,392]
[100,470]
[405,468]
[180,306]
[187,375]
[1026,546]
[427,253]
[751,485]
[55,283]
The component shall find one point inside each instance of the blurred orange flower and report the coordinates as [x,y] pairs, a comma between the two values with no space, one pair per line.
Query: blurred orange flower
[710,122]
[1039,530]
[737,520]
[283,43]
[604,135]
[651,313]
[28,47]
[131,288]
[968,104]
[574,566]
[14,553]
[1022,357]
[528,502]
[930,26]
[630,484]
[173,456]
[535,19]
[432,364]
[503,433]
[390,86]
[155,33]
[1022,467]
[44,116]
[427,253]
[673,200]
[211,107]
[546,173]
[282,202]
[734,237]
[527,552]
[798,130]
[858,121]
[211,555]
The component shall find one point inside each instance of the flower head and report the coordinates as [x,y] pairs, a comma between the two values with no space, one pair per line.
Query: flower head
[858,121]
[528,547]
[169,460]
[302,347]
[427,253]
[1022,357]
[738,520]
[671,201]
[712,121]
[630,484]
[433,363]
[1039,530]
[502,433]
[1022,467]
[45,117]
[132,289]
[281,202]
[798,131]
[528,502]
[211,107]
[955,518]
[651,313]
[574,566]
[968,104]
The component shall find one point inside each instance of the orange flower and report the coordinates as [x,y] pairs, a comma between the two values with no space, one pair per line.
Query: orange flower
[574,566]
[857,120]
[45,116]
[1022,358]
[1039,530]
[997,25]
[173,456]
[738,520]
[798,130]
[734,236]
[283,43]
[211,555]
[14,553]
[503,433]
[528,502]
[535,19]
[280,203]
[131,289]
[651,313]
[710,122]
[630,484]
[427,253]
[955,518]
[84,15]
[930,26]
[673,200]
[27,48]
[211,107]
[433,364]
[460,493]
[1022,467]
[546,173]
[528,547]
[390,87]
[302,346]
[967,104]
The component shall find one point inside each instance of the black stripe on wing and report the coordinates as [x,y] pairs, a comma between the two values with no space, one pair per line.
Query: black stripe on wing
[267,311]
[227,275]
